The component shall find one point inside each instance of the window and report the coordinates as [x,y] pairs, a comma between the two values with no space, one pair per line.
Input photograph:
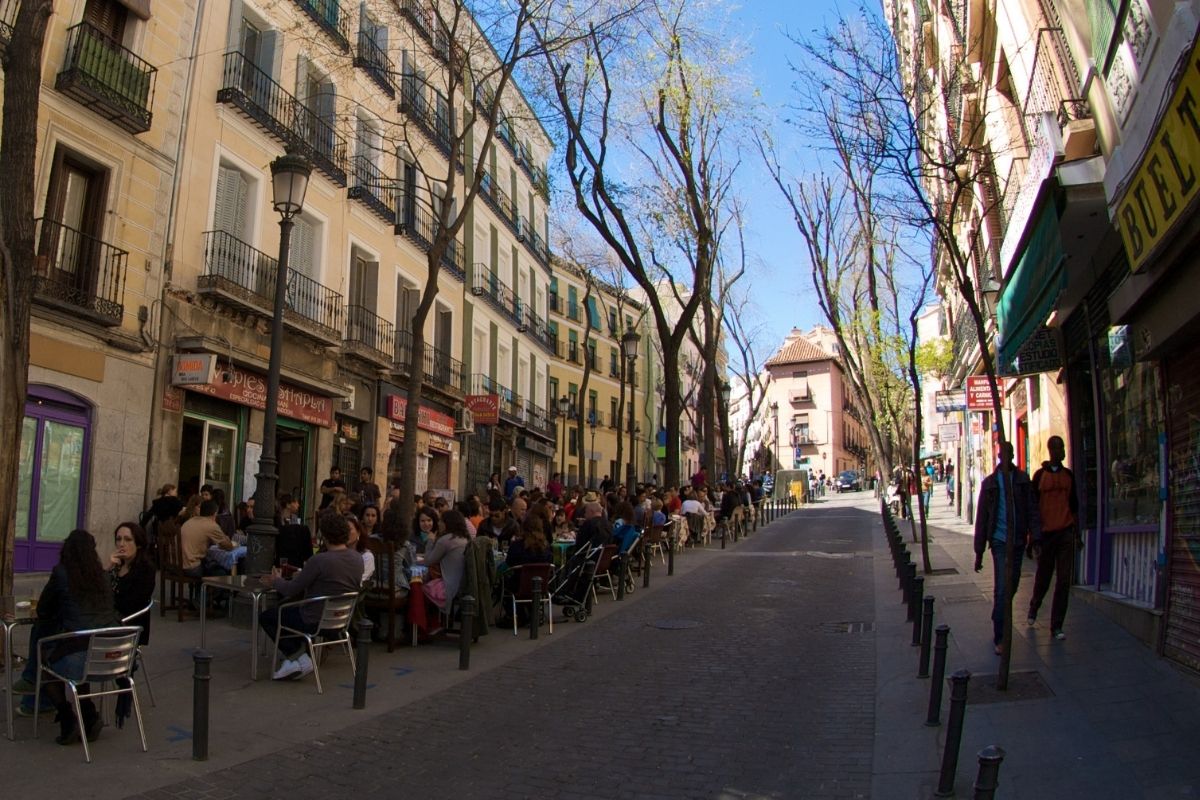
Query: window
[69,256]
[1132,413]
[364,278]
[612,410]
[592,398]
[318,115]
[231,208]
[573,303]
[553,384]
[593,312]
[407,190]
[407,298]
[107,17]
[572,441]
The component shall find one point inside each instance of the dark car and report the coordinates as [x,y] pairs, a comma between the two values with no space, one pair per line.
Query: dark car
[848,481]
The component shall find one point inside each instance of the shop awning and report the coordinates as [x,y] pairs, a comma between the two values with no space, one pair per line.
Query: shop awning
[1033,287]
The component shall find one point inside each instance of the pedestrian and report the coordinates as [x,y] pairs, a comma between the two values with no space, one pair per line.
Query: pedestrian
[513,483]
[331,487]
[927,489]
[950,482]
[1000,518]
[368,490]
[1058,511]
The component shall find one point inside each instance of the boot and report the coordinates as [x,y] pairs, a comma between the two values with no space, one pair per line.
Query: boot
[67,726]
[92,723]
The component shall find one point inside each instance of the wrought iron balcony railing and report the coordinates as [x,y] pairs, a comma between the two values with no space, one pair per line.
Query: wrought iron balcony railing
[420,15]
[533,240]
[329,18]
[512,408]
[432,119]
[442,372]
[373,189]
[373,60]
[498,294]
[536,328]
[538,420]
[244,277]
[369,335]
[417,225]
[272,108]
[79,273]
[107,78]
[499,201]
[8,17]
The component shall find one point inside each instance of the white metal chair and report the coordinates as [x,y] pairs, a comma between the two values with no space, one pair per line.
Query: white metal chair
[337,611]
[135,619]
[110,654]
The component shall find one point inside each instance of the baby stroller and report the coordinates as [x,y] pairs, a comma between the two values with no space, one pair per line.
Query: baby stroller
[571,586]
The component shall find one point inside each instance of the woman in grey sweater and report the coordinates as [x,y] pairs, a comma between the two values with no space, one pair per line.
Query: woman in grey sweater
[449,552]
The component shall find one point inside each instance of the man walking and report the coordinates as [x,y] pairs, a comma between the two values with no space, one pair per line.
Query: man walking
[1058,509]
[1007,509]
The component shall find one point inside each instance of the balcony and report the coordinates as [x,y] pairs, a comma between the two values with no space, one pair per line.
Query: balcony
[242,277]
[418,226]
[496,292]
[373,189]
[966,338]
[442,372]
[614,421]
[329,18]
[498,200]
[269,106]
[106,78]
[371,59]
[520,153]
[420,15]
[539,421]
[536,328]
[432,119]
[8,16]
[512,408]
[532,240]
[78,273]
[554,304]
[369,336]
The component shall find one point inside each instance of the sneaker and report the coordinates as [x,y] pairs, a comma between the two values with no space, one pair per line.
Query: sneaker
[305,665]
[287,670]
[1059,635]
[24,710]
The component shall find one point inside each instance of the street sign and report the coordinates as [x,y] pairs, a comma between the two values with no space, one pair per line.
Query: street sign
[979,392]
[948,432]
[950,400]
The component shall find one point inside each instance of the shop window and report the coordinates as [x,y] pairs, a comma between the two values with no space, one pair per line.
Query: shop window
[1133,417]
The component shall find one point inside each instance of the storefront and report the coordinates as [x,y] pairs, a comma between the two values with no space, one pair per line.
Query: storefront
[436,445]
[534,459]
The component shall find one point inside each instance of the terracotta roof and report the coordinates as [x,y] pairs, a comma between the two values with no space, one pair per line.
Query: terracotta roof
[798,351]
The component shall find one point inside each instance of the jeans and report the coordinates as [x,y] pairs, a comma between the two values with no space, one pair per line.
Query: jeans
[291,619]
[999,557]
[1057,559]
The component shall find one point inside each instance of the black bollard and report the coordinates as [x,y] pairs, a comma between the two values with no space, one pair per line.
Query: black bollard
[466,632]
[933,718]
[671,555]
[622,573]
[906,584]
[958,709]
[926,636]
[201,677]
[535,609]
[646,564]
[915,593]
[360,663]
[724,533]
[988,779]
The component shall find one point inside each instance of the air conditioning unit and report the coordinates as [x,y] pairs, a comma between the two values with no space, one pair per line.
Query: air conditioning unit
[464,421]
[348,399]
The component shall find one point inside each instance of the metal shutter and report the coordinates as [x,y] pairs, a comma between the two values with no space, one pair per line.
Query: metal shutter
[1182,639]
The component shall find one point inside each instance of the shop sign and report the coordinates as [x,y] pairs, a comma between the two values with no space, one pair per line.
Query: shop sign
[349,430]
[1041,352]
[250,389]
[172,399]
[979,392]
[427,418]
[951,400]
[485,408]
[1166,181]
[193,369]
[948,432]
[535,446]
[441,443]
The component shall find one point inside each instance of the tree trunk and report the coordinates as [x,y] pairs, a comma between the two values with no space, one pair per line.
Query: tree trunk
[672,404]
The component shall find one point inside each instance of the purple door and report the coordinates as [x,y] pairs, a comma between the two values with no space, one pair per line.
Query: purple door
[55,434]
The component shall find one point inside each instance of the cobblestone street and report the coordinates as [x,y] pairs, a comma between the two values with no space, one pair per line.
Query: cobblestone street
[737,680]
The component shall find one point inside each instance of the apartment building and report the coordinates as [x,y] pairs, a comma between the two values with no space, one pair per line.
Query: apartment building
[588,318]
[1081,246]
[108,139]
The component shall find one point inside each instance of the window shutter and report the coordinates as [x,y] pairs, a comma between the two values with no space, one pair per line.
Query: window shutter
[300,257]
[269,54]
[229,214]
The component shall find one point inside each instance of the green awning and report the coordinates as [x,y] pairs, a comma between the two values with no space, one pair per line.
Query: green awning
[1033,287]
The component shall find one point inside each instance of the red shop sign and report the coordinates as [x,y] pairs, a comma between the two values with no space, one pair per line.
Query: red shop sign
[250,389]
[427,418]
[979,392]
[485,408]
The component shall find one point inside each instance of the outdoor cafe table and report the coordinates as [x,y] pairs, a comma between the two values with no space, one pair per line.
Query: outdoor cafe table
[11,616]
[247,585]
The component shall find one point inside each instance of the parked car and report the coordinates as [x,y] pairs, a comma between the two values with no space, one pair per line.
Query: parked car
[848,481]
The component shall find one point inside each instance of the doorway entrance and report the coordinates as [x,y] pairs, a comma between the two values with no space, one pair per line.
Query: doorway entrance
[292,447]
[208,454]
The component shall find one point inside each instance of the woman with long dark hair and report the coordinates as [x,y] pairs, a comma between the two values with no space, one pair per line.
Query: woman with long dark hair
[131,572]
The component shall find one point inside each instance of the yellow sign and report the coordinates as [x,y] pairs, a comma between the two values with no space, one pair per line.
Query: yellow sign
[1167,180]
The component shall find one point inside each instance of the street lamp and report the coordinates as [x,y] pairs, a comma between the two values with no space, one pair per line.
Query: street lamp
[724,390]
[629,347]
[775,449]
[637,433]
[289,182]
[592,423]
[564,408]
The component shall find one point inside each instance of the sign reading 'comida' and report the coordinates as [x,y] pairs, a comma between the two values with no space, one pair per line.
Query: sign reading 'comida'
[1166,180]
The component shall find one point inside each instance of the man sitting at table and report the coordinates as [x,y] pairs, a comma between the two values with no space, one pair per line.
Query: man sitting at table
[595,530]
[499,525]
[195,537]
[336,570]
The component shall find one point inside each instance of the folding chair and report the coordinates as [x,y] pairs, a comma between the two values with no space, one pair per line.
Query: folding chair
[603,574]
[525,574]
[111,654]
[337,611]
[142,619]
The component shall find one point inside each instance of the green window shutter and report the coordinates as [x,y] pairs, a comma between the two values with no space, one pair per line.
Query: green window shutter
[593,313]
[1102,17]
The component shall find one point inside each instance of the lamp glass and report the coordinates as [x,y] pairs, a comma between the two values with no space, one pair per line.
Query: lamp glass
[724,389]
[564,405]
[289,183]
[629,343]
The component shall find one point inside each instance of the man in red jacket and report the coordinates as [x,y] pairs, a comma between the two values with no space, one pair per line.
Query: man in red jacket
[1058,508]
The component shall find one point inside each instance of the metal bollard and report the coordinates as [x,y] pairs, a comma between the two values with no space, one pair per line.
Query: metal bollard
[671,555]
[201,677]
[988,779]
[465,632]
[933,717]
[916,591]
[646,564]
[535,609]
[622,573]
[360,663]
[906,584]
[926,637]
[958,709]
[724,533]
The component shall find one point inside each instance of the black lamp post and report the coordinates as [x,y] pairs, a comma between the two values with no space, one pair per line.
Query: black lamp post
[564,408]
[629,348]
[289,182]
[592,423]
[775,449]
[724,390]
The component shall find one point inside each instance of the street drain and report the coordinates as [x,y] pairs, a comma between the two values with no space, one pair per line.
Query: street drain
[845,627]
[674,624]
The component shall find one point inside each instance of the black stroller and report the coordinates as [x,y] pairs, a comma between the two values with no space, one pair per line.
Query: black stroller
[571,586]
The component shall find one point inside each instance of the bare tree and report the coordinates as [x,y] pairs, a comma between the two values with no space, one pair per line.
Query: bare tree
[747,369]
[21,60]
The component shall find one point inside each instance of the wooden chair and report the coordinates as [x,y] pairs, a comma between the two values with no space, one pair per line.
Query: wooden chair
[656,544]
[383,596]
[523,594]
[170,552]
[697,534]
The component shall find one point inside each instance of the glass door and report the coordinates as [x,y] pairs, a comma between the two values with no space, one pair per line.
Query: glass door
[207,455]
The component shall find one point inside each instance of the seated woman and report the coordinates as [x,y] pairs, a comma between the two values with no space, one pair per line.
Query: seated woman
[335,570]
[624,532]
[358,543]
[131,572]
[424,528]
[78,597]
[531,546]
[449,556]
[562,529]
